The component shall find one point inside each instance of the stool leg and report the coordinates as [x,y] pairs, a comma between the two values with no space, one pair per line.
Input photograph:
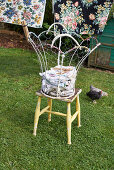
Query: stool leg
[36,118]
[69,122]
[50,107]
[78,109]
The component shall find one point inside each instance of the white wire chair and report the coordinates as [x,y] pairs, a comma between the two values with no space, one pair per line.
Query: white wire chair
[60,57]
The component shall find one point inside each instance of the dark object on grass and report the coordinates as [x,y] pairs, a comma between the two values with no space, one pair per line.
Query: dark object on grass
[94,94]
[92,88]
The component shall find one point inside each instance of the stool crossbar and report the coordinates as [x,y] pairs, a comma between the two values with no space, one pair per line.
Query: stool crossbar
[48,109]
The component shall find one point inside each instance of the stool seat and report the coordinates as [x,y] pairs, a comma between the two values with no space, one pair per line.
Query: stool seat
[65,99]
[48,109]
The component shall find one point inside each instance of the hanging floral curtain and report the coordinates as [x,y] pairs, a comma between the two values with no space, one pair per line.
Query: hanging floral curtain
[15,11]
[82,16]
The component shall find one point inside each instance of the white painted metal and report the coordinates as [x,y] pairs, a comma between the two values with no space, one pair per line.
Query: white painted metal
[59,81]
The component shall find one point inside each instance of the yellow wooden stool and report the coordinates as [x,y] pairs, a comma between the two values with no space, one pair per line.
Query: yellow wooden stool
[48,109]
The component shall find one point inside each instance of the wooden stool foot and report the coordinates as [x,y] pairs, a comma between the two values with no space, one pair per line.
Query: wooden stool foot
[69,143]
[34,133]
[49,120]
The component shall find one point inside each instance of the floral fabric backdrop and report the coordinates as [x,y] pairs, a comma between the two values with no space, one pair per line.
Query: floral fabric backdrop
[82,16]
[15,11]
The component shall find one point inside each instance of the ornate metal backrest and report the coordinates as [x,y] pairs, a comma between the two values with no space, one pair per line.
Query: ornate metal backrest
[59,55]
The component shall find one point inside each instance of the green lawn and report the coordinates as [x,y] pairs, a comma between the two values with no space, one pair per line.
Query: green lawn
[92,144]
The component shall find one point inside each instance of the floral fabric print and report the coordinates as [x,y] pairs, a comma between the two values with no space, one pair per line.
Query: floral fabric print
[15,11]
[82,16]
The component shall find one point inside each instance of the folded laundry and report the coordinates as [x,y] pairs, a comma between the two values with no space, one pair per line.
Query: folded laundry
[59,81]
[82,16]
